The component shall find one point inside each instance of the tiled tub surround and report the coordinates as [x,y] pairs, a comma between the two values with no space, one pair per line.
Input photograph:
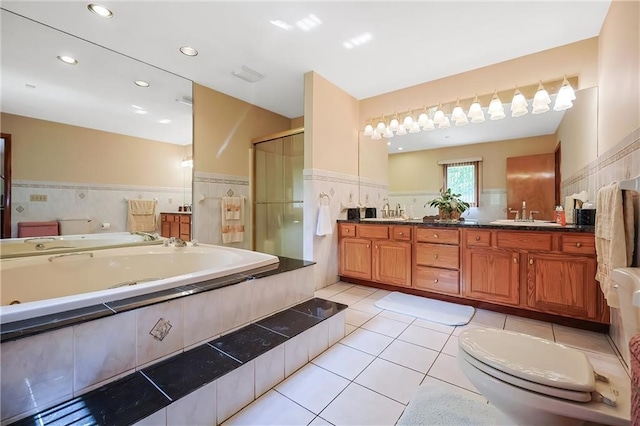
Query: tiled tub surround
[101,203]
[52,359]
[211,382]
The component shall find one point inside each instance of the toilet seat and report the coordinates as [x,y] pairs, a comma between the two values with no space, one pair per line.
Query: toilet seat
[530,363]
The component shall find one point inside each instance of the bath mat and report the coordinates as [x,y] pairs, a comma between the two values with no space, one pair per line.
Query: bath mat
[435,404]
[428,309]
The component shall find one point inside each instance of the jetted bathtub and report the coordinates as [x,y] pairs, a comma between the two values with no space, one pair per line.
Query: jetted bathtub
[43,285]
[19,247]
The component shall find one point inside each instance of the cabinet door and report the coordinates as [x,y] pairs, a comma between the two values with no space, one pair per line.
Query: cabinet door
[175,229]
[355,258]
[185,231]
[491,275]
[562,284]
[165,229]
[392,262]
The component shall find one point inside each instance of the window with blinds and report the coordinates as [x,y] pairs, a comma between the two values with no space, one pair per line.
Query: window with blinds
[462,178]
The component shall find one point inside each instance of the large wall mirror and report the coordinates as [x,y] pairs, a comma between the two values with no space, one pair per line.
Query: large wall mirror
[85,137]
[414,176]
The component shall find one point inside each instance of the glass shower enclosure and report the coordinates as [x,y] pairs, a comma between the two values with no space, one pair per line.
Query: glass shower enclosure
[278,194]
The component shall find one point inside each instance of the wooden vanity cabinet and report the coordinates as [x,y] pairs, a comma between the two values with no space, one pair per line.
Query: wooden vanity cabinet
[378,253]
[491,274]
[437,260]
[177,225]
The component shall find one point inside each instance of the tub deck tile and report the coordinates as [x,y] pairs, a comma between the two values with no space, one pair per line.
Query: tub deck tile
[319,308]
[186,372]
[136,302]
[248,343]
[37,325]
[286,264]
[122,402]
[289,323]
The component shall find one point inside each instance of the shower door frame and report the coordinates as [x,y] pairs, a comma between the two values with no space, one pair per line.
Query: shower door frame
[254,142]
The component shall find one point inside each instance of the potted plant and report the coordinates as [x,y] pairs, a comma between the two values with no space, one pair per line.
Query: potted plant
[449,205]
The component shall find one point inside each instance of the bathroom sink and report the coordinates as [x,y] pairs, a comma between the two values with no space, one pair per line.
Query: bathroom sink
[511,222]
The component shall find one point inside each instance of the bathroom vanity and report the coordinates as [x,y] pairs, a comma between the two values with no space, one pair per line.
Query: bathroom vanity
[529,270]
[176,225]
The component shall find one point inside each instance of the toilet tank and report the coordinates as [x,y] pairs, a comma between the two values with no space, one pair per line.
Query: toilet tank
[37,229]
[75,226]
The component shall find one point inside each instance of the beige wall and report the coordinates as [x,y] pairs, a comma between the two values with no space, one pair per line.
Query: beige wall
[331,135]
[619,74]
[579,59]
[223,128]
[419,170]
[578,133]
[48,151]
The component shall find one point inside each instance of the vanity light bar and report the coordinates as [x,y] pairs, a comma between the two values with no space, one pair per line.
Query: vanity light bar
[379,126]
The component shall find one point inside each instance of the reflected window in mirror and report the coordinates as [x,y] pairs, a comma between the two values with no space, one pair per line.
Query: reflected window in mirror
[462,178]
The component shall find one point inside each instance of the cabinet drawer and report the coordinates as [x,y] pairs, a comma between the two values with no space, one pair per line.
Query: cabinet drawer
[185,218]
[578,244]
[437,235]
[373,231]
[438,255]
[477,238]
[438,280]
[523,240]
[164,217]
[347,230]
[402,233]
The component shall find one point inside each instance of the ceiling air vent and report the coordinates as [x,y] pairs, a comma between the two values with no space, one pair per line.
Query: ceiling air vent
[247,74]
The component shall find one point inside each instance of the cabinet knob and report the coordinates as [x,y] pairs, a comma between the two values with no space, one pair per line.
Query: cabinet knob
[478,238]
[515,260]
[530,261]
[435,235]
[435,256]
[401,233]
[368,246]
[435,281]
[578,245]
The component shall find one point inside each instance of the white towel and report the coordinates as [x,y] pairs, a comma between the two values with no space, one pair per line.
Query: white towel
[232,219]
[325,227]
[614,236]
[141,215]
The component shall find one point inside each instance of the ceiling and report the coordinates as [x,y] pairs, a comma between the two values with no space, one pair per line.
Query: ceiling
[409,42]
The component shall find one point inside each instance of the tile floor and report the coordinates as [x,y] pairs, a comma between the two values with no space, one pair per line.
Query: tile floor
[369,377]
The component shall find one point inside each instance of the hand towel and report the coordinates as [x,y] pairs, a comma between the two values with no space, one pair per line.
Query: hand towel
[141,216]
[614,236]
[232,219]
[232,207]
[324,227]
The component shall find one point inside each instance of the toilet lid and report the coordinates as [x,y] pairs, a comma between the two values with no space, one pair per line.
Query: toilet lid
[530,358]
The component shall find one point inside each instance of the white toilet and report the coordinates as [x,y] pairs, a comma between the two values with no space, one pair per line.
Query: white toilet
[539,382]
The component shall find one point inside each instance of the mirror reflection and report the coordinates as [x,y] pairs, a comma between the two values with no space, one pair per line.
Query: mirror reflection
[415,162]
[88,136]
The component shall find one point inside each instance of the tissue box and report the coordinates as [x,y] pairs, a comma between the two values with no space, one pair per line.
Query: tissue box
[584,217]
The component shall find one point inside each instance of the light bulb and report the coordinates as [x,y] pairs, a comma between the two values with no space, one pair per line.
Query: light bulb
[445,124]
[401,131]
[381,127]
[519,105]
[376,135]
[457,113]
[422,119]
[438,117]
[429,125]
[415,127]
[495,107]
[408,120]
[368,130]
[394,124]
[388,133]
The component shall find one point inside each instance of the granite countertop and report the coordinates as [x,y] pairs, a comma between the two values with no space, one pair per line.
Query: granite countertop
[176,213]
[522,226]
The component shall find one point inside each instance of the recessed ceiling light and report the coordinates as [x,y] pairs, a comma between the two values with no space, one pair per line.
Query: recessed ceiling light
[67,60]
[189,51]
[389,143]
[136,106]
[141,83]
[140,111]
[100,10]
[357,41]
[247,74]
[164,121]
[399,148]
[308,23]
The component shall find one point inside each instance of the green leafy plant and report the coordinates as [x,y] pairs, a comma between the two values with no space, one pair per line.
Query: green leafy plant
[450,205]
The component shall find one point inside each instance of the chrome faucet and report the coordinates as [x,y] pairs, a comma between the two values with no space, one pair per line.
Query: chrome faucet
[176,242]
[147,236]
[523,217]
[385,208]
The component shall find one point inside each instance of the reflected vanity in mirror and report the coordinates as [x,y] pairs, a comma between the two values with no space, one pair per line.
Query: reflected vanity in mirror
[87,137]
[414,176]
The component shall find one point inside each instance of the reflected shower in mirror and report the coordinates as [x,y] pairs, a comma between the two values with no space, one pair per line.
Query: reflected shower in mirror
[88,136]
[414,176]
